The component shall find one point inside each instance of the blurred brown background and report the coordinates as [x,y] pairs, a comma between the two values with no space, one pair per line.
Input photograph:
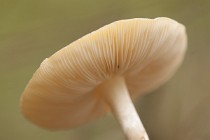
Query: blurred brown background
[33,30]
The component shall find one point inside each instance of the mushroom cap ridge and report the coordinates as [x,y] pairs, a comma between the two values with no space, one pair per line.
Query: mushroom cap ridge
[64,92]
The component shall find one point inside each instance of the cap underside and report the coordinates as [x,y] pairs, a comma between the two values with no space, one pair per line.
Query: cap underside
[146,52]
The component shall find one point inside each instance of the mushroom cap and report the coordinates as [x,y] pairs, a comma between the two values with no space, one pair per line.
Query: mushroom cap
[65,90]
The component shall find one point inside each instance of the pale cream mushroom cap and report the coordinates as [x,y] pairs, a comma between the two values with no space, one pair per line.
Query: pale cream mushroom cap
[65,90]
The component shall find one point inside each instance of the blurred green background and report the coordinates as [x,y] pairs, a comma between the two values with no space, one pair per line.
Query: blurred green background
[33,30]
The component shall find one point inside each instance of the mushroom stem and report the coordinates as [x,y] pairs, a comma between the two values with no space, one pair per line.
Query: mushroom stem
[118,99]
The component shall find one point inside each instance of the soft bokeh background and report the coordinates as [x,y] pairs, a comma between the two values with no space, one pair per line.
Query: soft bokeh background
[33,30]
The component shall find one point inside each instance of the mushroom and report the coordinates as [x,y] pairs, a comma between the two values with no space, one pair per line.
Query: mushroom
[103,72]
